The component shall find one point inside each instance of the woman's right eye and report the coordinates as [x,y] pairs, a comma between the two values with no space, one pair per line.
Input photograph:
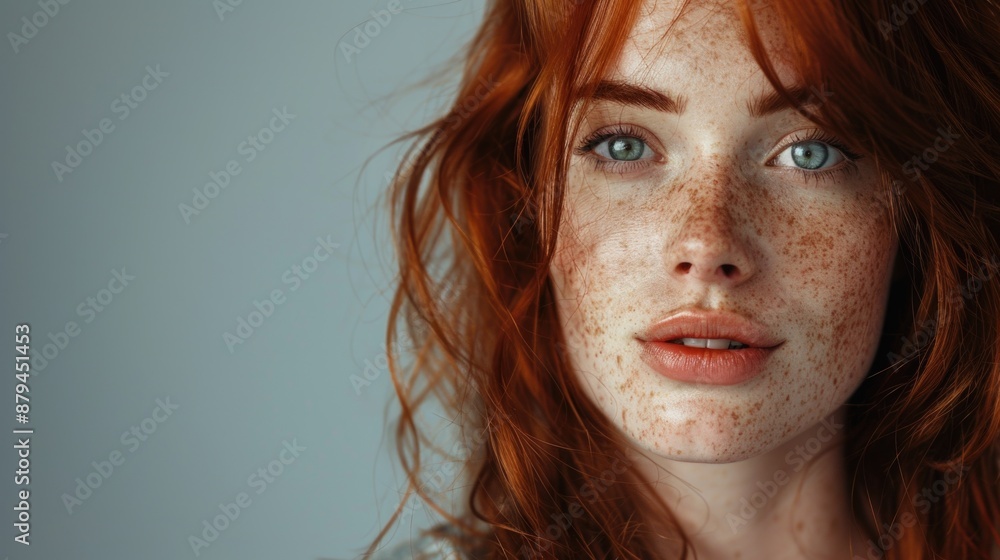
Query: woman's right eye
[620,149]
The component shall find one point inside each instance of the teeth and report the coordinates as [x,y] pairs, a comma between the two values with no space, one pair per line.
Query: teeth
[713,343]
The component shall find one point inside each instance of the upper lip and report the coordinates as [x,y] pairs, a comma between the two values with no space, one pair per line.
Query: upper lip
[700,323]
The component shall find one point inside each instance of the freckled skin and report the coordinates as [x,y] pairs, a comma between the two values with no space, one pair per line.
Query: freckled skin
[809,259]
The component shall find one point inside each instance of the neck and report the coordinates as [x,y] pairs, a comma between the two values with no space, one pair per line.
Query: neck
[791,502]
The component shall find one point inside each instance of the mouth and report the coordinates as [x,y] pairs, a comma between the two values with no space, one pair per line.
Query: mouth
[708,347]
[718,330]
[713,343]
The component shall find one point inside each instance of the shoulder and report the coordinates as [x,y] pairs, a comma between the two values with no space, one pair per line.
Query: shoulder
[427,547]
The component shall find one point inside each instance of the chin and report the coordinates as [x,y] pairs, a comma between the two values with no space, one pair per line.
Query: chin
[711,424]
[703,441]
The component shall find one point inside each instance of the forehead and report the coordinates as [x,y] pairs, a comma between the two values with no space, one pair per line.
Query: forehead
[704,46]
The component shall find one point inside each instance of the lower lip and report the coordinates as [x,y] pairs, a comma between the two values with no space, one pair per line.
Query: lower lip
[689,364]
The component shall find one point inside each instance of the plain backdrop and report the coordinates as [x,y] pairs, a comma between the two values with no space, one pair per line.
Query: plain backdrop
[186,226]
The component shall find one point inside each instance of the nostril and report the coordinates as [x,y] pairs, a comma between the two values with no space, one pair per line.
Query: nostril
[728,269]
[684,267]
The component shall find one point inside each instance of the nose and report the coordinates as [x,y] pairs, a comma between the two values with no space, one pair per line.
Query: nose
[710,244]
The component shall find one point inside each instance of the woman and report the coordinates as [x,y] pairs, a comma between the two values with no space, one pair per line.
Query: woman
[722,282]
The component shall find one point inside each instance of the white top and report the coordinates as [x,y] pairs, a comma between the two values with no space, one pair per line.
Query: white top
[427,547]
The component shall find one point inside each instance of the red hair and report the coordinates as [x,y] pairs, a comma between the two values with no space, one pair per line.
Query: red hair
[474,213]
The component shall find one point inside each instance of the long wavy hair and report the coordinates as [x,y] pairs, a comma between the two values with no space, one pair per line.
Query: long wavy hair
[475,208]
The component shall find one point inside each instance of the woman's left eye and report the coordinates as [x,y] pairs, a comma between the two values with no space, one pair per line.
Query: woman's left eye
[816,155]
[809,155]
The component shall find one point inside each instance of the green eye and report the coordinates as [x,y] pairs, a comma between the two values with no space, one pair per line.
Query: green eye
[625,148]
[809,155]
[619,149]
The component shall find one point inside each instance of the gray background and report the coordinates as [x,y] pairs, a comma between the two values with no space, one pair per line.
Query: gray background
[162,336]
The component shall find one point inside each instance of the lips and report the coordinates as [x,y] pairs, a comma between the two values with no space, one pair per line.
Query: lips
[708,347]
[710,325]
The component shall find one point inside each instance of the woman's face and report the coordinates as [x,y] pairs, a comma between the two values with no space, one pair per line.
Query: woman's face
[712,202]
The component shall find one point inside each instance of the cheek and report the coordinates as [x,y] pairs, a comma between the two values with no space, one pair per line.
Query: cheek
[839,264]
[606,239]
[591,274]
[576,273]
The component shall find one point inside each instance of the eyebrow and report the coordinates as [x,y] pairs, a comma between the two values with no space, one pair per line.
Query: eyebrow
[624,93]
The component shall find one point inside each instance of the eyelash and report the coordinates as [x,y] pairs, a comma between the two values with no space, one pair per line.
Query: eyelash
[849,165]
[596,138]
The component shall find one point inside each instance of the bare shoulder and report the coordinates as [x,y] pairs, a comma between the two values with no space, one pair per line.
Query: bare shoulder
[427,547]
